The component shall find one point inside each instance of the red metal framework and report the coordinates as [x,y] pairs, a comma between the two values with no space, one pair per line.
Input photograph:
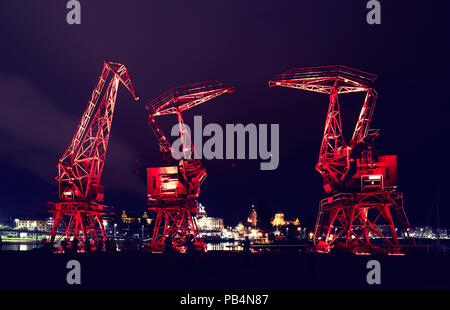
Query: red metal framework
[172,190]
[334,156]
[78,213]
[177,100]
[175,222]
[361,221]
[365,197]
[371,217]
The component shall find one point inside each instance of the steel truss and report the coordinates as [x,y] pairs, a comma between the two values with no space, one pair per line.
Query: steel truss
[334,156]
[78,213]
[78,220]
[350,219]
[361,221]
[175,220]
[174,216]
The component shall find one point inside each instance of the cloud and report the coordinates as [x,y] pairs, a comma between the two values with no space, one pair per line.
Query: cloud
[35,133]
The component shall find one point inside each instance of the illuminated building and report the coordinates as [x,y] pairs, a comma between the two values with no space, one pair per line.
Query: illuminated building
[252,220]
[229,234]
[201,211]
[33,224]
[254,234]
[240,231]
[240,227]
[208,226]
[132,220]
[146,218]
[125,219]
[284,228]
[425,232]
[278,220]
[441,233]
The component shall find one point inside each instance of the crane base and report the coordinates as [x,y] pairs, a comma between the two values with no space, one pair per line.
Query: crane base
[79,220]
[175,228]
[362,222]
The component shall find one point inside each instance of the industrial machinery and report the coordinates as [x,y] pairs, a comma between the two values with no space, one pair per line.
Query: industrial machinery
[78,212]
[173,189]
[364,203]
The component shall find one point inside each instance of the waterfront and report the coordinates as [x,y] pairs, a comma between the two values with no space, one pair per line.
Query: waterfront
[222,270]
[421,246]
[28,246]
[20,246]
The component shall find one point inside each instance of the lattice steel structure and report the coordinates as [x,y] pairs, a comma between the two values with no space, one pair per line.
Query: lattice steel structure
[365,188]
[172,190]
[78,213]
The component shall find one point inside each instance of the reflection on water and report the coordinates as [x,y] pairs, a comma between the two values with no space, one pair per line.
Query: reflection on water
[224,246]
[19,247]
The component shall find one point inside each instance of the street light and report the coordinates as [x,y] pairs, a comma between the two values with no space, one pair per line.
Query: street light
[115,225]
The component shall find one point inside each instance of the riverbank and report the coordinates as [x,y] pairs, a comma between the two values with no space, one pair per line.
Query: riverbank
[222,270]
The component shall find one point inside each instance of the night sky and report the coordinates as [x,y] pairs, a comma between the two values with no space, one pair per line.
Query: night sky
[48,70]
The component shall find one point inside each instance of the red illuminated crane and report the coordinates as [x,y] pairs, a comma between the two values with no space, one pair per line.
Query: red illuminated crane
[365,197]
[78,213]
[172,190]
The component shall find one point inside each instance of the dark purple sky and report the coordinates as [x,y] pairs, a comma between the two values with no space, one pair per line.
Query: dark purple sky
[48,70]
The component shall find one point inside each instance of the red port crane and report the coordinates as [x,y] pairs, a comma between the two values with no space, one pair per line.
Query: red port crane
[365,189]
[78,212]
[172,190]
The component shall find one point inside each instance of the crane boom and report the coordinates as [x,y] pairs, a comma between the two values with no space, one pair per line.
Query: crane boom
[334,156]
[78,213]
[177,100]
[362,126]
[80,168]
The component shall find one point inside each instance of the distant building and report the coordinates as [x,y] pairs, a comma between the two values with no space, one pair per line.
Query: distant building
[29,223]
[240,231]
[240,227]
[208,226]
[279,220]
[441,233]
[146,218]
[229,233]
[127,220]
[255,234]
[201,211]
[423,232]
[252,220]
[385,231]
[132,220]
